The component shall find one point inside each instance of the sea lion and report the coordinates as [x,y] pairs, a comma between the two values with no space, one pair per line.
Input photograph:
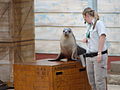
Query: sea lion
[69,47]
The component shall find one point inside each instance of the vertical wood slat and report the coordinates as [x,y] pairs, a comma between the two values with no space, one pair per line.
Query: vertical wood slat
[18,17]
[16,35]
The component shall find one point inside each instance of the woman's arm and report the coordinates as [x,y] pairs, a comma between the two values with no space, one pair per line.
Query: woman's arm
[100,47]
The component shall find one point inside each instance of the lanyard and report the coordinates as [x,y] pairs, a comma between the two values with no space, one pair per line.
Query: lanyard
[88,31]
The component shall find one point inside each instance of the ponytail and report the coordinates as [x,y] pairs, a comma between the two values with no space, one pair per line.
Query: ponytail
[96,16]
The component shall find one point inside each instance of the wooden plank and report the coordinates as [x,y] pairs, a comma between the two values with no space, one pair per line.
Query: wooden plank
[55,33]
[19,21]
[60,5]
[47,46]
[111,20]
[53,47]
[6,1]
[5,71]
[22,1]
[113,34]
[14,52]
[18,51]
[59,19]
[24,4]
[114,48]
[72,19]
[108,6]
[50,46]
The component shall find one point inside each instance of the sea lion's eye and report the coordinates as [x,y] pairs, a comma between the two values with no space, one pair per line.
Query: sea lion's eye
[69,31]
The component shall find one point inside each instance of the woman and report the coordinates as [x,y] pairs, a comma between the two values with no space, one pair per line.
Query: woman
[96,57]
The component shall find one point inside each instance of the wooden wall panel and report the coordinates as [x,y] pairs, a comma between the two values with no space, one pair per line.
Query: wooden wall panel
[59,19]
[60,5]
[70,19]
[111,20]
[4,19]
[50,46]
[55,33]
[16,35]
[113,34]
[5,69]
[114,48]
[108,6]
[53,47]
[42,46]
[15,15]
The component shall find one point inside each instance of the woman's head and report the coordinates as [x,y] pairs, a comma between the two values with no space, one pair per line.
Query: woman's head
[89,14]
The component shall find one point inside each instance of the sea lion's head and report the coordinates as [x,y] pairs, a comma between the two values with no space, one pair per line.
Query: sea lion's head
[67,32]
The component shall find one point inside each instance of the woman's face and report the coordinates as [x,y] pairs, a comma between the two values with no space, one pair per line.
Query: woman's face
[88,18]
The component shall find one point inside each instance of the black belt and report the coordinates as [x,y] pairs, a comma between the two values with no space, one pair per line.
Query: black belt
[94,54]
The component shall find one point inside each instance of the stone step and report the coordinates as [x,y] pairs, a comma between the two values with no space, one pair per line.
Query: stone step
[115,66]
[113,87]
[113,78]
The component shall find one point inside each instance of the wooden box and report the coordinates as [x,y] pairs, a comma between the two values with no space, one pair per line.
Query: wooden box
[46,75]
[16,20]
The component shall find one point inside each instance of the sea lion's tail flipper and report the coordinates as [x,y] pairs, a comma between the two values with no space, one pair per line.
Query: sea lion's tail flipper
[83,60]
[80,50]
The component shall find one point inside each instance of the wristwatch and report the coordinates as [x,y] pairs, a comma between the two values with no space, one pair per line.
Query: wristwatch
[99,53]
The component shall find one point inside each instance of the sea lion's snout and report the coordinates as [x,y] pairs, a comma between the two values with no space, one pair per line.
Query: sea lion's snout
[67,31]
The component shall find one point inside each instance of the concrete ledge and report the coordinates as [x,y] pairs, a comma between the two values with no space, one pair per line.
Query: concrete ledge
[113,79]
[113,87]
[115,66]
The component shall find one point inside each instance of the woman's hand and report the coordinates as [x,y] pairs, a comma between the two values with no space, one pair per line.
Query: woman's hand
[84,40]
[99,58]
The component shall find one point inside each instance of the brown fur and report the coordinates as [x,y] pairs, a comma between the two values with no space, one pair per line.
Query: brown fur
[69,47]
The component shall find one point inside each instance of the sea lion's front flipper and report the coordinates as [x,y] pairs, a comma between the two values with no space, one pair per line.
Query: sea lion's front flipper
[59,57]
[74,55]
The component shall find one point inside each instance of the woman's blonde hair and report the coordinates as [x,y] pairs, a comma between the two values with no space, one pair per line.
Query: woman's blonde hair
[91,12]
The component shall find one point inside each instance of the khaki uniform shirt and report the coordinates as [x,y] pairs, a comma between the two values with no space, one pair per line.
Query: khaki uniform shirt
[93,41]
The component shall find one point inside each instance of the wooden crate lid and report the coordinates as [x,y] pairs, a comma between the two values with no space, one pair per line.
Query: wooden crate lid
[45,62]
